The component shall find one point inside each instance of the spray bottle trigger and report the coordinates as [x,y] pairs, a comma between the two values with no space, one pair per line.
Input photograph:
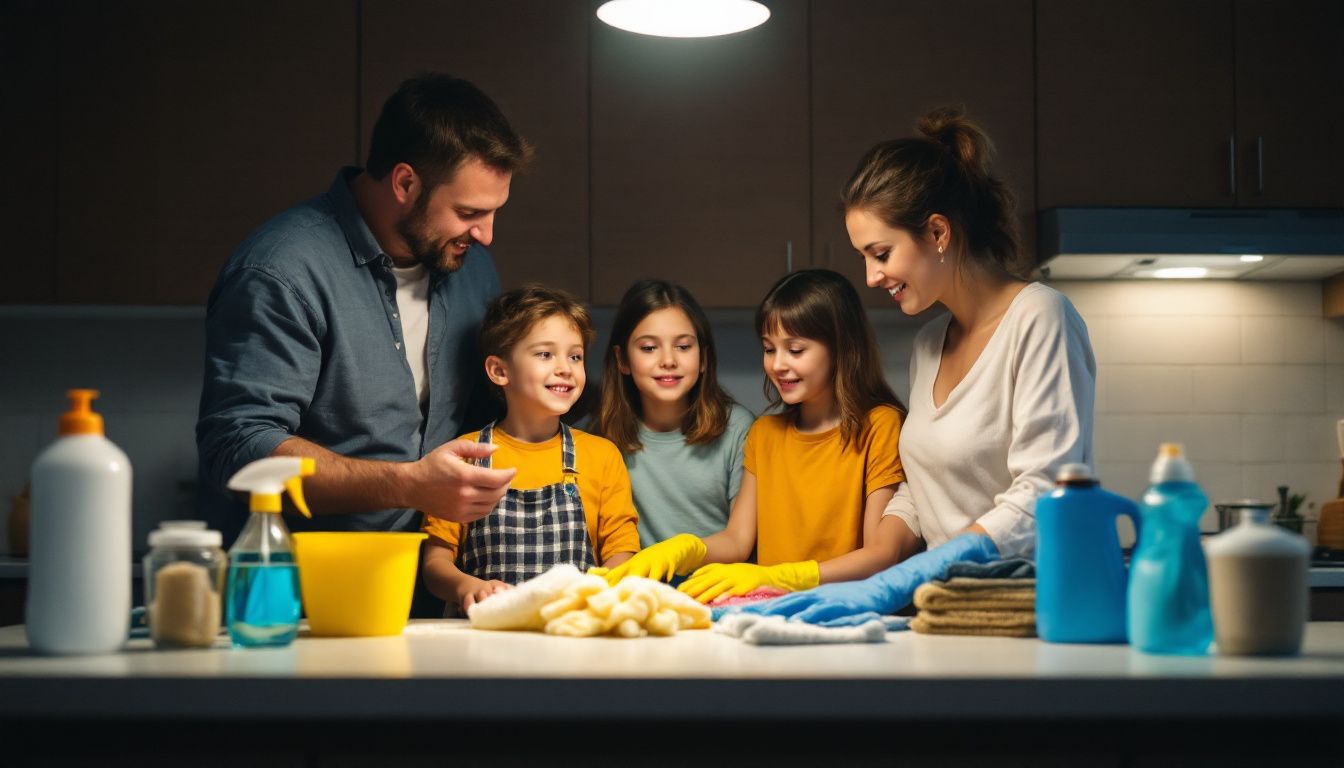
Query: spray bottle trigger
[295,484]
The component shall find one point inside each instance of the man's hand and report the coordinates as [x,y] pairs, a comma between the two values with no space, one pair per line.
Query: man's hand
[475,590]
[446,483]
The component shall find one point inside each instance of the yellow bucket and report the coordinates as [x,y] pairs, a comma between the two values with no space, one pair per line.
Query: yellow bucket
[357,583]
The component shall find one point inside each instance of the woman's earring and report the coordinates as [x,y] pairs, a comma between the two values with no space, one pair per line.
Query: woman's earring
[941,257]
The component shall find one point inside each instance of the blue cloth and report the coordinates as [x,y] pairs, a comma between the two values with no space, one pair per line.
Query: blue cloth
[1012,568]
[303,339]
[847,603]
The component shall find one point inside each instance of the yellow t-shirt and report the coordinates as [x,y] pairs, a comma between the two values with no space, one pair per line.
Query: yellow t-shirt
[809,492]
[604,487]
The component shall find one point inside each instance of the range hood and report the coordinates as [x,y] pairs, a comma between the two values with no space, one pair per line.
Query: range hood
[1215,243]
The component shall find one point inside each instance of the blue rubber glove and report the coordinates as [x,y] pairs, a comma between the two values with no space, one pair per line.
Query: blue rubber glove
[841,603]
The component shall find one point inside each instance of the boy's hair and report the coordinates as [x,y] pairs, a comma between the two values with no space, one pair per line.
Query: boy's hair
[512,314]
[618,413]
[822,305]
[434,123]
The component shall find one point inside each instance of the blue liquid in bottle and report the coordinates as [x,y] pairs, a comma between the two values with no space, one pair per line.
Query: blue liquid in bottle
[263,602]
[1168,600]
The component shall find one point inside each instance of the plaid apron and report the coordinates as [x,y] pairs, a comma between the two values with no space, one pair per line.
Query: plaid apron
[530,531]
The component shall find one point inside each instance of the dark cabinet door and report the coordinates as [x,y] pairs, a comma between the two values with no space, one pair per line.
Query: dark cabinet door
[1135,103]
[1290,102]
[878,66]
[530,57]
[28,150]
[182,127]
[700,158]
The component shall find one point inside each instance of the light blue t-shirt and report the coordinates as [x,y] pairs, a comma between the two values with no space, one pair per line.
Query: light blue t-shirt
[682,488]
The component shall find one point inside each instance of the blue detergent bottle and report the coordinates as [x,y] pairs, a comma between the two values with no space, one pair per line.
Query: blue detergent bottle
[1080,569]
[262,604]
[1168,578]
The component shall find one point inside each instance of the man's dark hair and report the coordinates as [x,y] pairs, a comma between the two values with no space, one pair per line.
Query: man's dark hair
[434,123]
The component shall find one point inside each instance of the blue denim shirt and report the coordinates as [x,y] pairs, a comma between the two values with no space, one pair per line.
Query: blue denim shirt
[303,338]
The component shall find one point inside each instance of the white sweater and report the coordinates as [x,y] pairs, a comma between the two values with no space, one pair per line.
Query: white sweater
[1023,410]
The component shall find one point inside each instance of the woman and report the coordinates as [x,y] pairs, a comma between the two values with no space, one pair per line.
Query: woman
[1002,386]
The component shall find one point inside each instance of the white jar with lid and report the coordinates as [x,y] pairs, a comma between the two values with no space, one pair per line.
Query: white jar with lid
[1258,586]
[184,583]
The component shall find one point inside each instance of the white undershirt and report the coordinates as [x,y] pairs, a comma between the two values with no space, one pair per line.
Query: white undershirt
[413,308]
[1023,410]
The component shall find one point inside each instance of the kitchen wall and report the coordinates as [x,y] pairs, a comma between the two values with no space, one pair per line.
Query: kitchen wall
[1248,375]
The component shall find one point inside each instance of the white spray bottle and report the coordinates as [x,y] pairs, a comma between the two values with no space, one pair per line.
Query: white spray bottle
[263,601]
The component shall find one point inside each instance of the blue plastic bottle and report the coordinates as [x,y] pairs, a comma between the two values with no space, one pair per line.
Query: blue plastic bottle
[1168,578]
[1080,570]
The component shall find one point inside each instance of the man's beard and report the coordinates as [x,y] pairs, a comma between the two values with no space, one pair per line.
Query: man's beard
[434,252]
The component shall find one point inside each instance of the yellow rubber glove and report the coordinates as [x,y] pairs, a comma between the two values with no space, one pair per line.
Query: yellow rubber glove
[740,578]
[661,561]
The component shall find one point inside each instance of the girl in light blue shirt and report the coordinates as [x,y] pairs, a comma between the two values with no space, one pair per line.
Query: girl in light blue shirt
[679,431]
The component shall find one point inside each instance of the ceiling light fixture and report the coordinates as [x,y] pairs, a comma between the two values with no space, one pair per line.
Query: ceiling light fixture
[683,18]
[1252,258]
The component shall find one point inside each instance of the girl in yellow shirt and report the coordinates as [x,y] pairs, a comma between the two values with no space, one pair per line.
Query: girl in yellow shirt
[817,475]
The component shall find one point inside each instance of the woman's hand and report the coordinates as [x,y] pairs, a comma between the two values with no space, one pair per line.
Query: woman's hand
[887,592]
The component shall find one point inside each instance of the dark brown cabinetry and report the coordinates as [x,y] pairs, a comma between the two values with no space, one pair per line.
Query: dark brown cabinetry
[700,158]
[28,150]
[878,66]
[530,57]
[1189,103]
[184,126]
[1290,102]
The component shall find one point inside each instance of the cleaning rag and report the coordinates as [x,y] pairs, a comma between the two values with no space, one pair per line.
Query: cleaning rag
[563,601]
[776,630]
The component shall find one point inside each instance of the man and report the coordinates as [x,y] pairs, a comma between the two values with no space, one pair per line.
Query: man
[345,329]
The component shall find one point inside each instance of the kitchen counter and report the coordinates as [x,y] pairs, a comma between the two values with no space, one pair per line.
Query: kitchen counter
[443,674]
[694,674]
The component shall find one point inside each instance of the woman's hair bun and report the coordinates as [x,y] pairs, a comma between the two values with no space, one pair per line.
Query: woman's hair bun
[967,142]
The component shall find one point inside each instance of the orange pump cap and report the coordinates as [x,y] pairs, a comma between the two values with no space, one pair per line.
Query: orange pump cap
[1171,450]
[81,418]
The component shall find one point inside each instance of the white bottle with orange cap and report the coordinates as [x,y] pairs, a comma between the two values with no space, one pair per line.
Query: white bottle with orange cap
[79,569]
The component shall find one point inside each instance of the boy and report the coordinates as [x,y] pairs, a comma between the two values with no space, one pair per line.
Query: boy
[570,501]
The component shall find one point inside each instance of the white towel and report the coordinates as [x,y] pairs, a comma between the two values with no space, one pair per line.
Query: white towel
[776,630]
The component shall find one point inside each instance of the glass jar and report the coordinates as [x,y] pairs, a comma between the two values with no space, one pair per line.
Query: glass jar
[184,584]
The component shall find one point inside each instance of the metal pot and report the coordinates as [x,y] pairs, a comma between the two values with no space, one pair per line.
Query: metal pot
[1229,512]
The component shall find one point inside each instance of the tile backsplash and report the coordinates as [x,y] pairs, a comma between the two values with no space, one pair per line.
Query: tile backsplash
[1249,376]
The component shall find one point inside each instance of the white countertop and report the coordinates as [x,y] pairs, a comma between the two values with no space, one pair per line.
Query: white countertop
[695,674]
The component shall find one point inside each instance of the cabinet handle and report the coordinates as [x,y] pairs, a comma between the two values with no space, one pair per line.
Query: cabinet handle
[788,256]
[1232,163]
[1259,165]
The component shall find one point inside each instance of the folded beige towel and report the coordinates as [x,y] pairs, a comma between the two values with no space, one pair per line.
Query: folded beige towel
[996,623]
[969,606]
[977,594]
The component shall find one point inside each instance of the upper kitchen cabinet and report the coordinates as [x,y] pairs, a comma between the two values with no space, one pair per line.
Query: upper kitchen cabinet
[700,159]
[1135,103]
[530,57]
[182,127]
[1290,102]
[878,66]
[28,152]
[1190,103]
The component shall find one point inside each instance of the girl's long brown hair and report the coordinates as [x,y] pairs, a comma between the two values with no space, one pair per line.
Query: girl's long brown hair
[822,305]
[619,410]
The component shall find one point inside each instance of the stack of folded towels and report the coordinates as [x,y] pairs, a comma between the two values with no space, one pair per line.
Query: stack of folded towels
[979,599]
